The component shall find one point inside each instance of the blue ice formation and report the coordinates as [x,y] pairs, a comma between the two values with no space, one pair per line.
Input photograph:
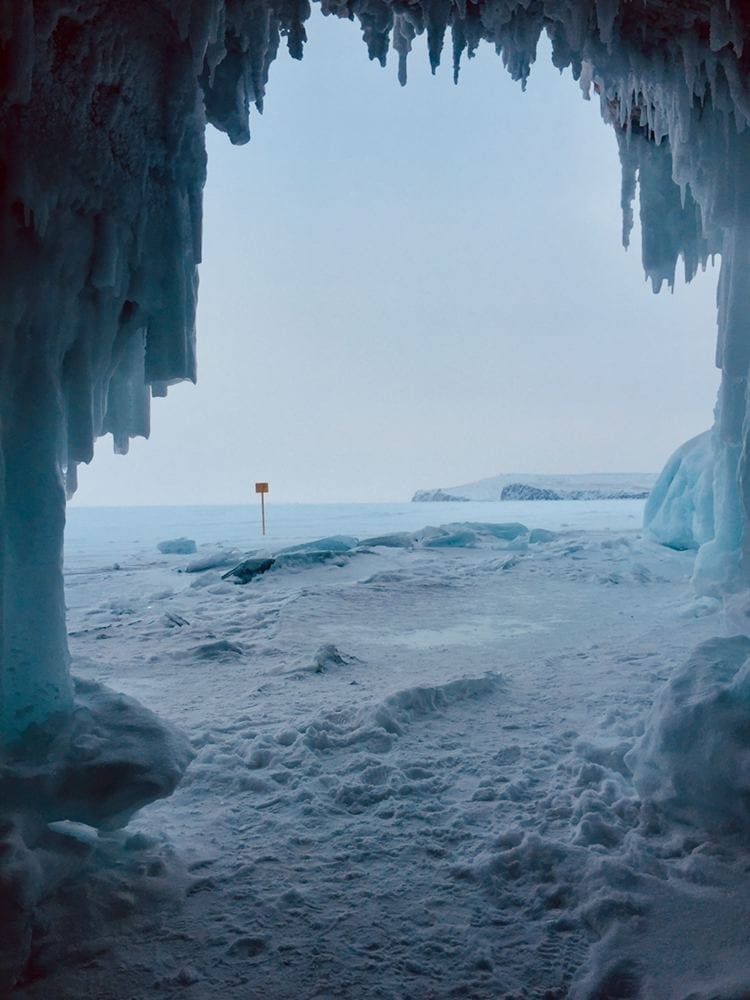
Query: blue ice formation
[680,510]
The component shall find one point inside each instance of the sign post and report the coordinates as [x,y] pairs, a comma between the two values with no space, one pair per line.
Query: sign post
[262,488]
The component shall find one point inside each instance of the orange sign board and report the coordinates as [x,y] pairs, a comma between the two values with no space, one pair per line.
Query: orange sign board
[261,487]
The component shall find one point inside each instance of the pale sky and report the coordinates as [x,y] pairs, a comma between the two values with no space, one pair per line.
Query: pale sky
[418,287]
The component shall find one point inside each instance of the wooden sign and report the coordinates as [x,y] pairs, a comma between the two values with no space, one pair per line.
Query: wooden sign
[262,488]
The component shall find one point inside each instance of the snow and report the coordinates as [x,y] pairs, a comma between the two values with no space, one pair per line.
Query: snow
[694,759]
[76,774]
[413,764]
[87,770]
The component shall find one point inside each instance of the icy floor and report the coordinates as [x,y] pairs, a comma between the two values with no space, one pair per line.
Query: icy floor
[409,778]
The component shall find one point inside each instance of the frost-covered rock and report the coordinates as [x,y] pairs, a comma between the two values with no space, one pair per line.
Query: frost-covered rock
[680,511]
[523,491]
[249,569]
[694,760]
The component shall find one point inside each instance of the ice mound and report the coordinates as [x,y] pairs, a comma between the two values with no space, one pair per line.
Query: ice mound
[377,726]
[248,569]
[334,543]
[468,534]
[694,760]
[338,549]
[411,703]
[397,540]
[177,546]
[68,873]
[84,772]
[214,559]
[218,649]
[310,557]
[448,536]
[680,511]
[538,536]
[330,657]
[102,764]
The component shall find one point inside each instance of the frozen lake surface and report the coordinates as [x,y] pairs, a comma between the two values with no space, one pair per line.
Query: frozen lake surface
[410,775]
[102,533]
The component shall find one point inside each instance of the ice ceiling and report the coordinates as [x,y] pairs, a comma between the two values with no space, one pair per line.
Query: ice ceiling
[103,111]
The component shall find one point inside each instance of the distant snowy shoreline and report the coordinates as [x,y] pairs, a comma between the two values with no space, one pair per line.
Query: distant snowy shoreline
[521,486]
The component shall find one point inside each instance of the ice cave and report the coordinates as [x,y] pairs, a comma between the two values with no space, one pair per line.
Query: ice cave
[103,112]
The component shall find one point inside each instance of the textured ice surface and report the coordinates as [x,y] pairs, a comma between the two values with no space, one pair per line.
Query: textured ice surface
[411,768]
[694,759]
[680,510]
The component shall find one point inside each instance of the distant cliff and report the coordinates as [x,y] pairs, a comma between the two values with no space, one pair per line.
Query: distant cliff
[423,495]
[516,486]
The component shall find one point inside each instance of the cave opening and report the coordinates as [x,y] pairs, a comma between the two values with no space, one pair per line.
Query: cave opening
[99,289]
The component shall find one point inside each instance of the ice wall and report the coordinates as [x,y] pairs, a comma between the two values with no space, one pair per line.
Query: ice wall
[679,512]
[102,164]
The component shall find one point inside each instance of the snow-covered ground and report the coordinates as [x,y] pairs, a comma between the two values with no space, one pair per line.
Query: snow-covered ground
[409,776]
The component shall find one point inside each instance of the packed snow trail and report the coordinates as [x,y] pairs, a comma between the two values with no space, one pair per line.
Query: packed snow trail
[409,780]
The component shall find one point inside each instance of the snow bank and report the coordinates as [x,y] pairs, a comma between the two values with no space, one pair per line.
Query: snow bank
[377,726]
[96,766]
[694,760]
